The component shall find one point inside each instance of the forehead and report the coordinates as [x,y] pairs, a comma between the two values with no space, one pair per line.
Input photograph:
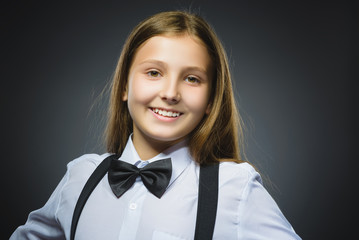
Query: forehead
[179,50]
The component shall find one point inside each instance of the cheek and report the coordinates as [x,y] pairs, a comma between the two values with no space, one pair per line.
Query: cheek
[196,101]
[141,90]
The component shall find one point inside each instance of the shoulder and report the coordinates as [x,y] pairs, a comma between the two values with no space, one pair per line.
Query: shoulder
[230,170]
[90,159]
[82,167]
[237,176]
[257,213]
[78,172]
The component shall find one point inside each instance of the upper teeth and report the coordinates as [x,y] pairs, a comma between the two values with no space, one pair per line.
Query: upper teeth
[166,113]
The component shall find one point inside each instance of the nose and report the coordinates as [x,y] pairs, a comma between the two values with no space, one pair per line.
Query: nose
[170,92]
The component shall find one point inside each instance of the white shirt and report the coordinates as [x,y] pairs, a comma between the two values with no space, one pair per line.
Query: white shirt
[245,209]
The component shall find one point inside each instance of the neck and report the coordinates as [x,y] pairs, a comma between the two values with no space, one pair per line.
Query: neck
[148,148]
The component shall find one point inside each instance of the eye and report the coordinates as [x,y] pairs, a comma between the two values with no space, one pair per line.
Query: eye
[153,73]
[192,79]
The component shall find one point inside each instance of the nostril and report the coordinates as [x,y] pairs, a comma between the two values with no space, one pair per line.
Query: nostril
[171,100]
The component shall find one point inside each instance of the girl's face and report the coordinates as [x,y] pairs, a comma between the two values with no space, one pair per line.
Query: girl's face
[168,89]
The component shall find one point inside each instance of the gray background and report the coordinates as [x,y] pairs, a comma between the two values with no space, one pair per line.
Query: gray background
[294,65]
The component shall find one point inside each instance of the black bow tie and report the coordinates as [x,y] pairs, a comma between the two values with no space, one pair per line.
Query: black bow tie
[155,176]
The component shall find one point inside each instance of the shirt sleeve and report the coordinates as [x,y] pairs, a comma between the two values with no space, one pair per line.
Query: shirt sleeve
[43,223]
[260,216]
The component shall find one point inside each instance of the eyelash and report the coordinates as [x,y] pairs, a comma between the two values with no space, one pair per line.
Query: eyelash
[189,79]
[149,73]
[196,80]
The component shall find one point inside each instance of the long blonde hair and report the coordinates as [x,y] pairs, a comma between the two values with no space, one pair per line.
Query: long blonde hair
[219,134]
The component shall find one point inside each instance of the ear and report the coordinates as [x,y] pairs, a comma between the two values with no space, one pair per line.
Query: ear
[209,108]
[125,95]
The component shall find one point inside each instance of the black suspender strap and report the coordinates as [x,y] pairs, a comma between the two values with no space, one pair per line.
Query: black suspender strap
[207,202]
[207,198]
[90,185]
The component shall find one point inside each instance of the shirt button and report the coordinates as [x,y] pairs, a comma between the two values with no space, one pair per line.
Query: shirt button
[133,206]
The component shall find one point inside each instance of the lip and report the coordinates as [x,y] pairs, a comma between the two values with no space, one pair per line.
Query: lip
[164,118]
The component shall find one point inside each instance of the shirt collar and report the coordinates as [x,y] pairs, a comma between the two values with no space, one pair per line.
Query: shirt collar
[179,154]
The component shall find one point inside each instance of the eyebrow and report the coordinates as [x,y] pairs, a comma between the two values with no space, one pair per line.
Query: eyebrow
[153,61]
[164,64]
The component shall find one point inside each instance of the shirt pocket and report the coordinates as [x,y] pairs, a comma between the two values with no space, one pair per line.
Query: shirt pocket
[159,235]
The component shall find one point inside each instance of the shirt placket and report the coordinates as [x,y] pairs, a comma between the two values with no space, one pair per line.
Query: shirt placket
[133,211]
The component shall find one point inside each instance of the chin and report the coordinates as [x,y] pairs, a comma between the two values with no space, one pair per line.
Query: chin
[160,137]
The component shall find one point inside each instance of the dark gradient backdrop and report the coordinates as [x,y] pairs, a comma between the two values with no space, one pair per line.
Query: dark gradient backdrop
[294,66]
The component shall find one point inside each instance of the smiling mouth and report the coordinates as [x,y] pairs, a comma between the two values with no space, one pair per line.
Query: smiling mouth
[166,113]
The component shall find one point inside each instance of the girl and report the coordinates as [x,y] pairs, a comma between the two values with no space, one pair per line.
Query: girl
[172,122]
